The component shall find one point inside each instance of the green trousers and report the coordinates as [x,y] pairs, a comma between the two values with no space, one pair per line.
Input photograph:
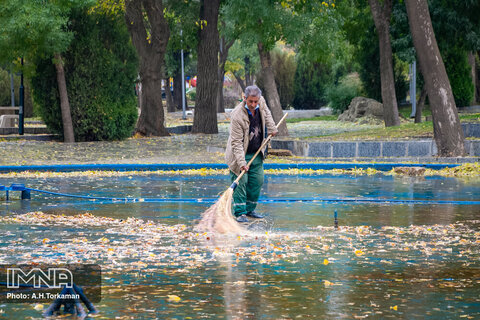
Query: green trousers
[247,192]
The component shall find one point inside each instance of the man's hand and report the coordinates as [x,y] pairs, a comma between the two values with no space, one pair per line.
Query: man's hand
[244,168]
[274,133]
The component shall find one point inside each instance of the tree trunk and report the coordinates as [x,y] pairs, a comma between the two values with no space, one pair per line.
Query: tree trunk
[447,130]
[220,102]
[223,55]
[477,78]
[248,72]
[240,81]
[177,83]
[205,116]
[420,104]
[473,66]
[151,51]
[381,17]
[168,95]
[271,89]
[68,135]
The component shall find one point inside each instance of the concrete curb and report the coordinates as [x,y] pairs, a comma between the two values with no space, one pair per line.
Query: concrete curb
[408,149]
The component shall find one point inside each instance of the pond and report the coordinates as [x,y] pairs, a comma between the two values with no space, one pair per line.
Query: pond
[387,259]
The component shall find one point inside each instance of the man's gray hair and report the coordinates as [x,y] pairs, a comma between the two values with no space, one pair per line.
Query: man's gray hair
[253,91]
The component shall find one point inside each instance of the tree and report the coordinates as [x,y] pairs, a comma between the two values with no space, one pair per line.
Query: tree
[271,87]
[263,23]
[38,28]
[381,16]
[448,133]
[205,117]
[457,27]
[149,31]
[100,71]
[284,67]
[457,30]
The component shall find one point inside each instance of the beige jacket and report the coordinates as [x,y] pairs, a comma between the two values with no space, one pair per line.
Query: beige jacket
[237,144]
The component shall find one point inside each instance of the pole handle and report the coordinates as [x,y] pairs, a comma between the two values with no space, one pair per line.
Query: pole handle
[235,183]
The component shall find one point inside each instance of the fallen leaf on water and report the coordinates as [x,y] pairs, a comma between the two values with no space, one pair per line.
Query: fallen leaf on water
[359,253]
[38,307]
[173,298]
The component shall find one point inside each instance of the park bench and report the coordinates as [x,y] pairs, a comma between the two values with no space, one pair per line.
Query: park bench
[8,117]
[8,120]
[9,110]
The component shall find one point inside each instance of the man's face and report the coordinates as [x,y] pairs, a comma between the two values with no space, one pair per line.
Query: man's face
[252,102]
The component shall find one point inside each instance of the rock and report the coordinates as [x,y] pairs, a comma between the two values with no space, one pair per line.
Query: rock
[362,107]
[410,171]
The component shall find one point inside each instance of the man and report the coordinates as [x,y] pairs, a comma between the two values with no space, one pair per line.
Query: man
[251,120]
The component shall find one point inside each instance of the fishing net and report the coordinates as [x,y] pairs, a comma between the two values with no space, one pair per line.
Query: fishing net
[219,219]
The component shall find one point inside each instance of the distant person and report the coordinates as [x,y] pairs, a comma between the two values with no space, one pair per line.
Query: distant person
[250,123]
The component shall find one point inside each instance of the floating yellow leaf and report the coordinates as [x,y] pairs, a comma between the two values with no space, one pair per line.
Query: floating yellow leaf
[38,307]
[359,253]
[104,240]
[326,262]
[174,298]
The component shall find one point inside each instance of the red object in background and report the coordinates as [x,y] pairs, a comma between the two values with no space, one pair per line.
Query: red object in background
[194,82]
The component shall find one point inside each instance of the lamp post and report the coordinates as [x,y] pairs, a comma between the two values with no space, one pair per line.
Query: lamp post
[21,103]
[413,87]
[184,114]
[12,89]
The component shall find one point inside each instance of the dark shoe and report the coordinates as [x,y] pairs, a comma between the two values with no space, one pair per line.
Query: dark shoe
[242,218]
[255,215]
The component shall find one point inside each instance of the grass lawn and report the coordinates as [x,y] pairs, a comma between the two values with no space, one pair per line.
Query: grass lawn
[321,118]
[404,131]
[408,130]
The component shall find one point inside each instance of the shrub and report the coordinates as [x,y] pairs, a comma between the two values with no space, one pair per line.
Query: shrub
[340,95]
[309,88]
[192,95]
[459,74]
[100,71]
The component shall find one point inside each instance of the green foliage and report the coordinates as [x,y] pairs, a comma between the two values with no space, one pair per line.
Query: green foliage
[459,74]
[34,28]
[192,94]
[340,95]
[238,54]
[284,67]
[456,24]
[263,21]
[310,84]
[100,69]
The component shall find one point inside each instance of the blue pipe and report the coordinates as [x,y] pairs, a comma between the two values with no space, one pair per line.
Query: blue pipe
[264,200]
[189,166]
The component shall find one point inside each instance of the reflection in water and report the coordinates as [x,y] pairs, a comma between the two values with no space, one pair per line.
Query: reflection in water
[234,291]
